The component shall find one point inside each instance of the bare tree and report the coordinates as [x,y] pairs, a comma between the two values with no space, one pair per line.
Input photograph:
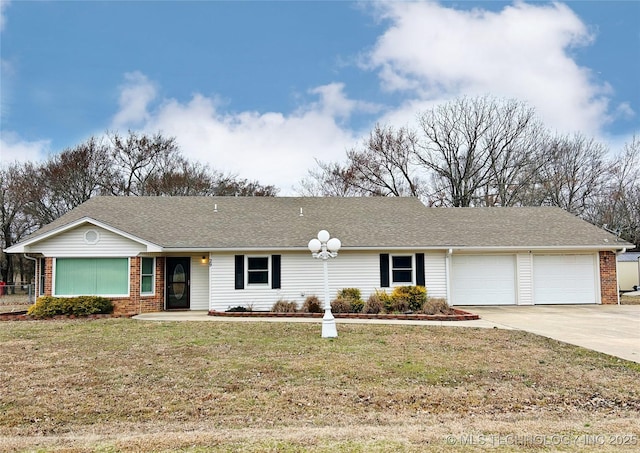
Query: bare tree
[138,158]
[68,179]
[329,179]
[383,165]
[617,206]
[15,224]
[479,150]
[231,185]
[179,177]
[380,167]
[573,173]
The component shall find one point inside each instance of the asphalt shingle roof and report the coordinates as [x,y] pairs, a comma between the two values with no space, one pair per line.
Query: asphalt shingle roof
[369,222]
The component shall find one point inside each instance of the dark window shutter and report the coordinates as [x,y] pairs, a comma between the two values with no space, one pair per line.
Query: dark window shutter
[384,270]
[239,271]
[275,271]
[420,278]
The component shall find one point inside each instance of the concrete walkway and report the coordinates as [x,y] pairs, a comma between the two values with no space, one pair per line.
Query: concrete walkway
[612,329]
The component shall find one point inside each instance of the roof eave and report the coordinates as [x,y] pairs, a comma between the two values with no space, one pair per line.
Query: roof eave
[24,246]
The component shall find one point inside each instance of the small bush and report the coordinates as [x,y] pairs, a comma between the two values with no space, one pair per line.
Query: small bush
[353,295]
[411,298]
[396,305]
[374,304]
[238,309]
[341,305]
[285,306]
[435,306]
[48,306]
[312,305]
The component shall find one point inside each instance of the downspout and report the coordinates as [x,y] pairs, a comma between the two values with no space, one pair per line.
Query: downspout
[35,273]
[617,274]
[447,272]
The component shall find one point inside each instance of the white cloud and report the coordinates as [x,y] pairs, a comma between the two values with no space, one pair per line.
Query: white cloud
[135,95]
[3,5]
[272,147]
[433,52]
[14,149]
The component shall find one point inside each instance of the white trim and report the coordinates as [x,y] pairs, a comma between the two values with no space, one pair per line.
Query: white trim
[392,282]
[54,271]
[20,248]
[153,276]
[246,271]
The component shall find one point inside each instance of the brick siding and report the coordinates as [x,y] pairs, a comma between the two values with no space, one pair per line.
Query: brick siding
[135,303]
[608,278]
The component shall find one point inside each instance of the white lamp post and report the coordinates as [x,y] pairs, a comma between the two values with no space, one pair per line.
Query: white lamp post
[324,248]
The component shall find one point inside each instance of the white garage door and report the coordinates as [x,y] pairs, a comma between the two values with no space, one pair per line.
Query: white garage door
[564,279]
[483,280]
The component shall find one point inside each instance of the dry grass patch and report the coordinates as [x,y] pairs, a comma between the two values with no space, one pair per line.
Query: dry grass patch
[125,385]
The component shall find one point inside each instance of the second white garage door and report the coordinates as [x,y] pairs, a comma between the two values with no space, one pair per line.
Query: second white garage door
[483,280]
[564,279]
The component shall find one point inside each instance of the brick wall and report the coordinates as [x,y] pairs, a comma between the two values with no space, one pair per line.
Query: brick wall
[135,303]
[608,278]
[48,276]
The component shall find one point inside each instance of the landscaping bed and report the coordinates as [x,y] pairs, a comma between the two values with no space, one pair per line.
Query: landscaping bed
[456,315]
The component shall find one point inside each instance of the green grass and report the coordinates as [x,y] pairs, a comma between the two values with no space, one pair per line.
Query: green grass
[126,385]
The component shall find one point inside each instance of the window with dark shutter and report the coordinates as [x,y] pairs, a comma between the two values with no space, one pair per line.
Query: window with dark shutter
[420,275]
[275,271]
[384,270]
[402,269]
[239,272]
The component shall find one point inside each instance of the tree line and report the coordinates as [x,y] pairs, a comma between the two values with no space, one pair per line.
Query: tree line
[487,152]
[465,153]
[33,194]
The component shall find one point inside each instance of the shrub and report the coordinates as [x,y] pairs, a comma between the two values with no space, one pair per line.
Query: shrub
[353,295]
[436,305]
[312,305]
[285,306]
[375,303]
[396,305]
[341,305]
[48,306]
[238,309]
[410,298]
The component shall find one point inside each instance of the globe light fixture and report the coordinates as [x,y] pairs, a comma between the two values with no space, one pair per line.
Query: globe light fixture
[325,247]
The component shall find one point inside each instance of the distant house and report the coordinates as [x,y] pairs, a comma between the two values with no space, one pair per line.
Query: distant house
[213,253]
[629,271]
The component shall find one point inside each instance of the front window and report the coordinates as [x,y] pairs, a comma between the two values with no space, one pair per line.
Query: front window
[402,269]
[92,277]
[258,270]
[147,276]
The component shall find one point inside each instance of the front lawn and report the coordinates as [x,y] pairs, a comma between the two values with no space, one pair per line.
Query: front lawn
[126,385]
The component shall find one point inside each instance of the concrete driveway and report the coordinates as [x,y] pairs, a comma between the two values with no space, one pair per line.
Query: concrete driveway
[612,329]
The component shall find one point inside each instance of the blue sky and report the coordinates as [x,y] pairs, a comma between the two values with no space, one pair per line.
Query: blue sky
[261,89]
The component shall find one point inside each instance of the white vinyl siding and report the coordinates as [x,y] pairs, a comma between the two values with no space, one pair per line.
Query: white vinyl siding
[72,243]
[301,276]
[483,280]
[435,274]
[565,279]
[199,296]
[524,263]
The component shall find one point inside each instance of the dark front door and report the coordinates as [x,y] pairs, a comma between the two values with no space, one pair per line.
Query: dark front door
[178,283]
